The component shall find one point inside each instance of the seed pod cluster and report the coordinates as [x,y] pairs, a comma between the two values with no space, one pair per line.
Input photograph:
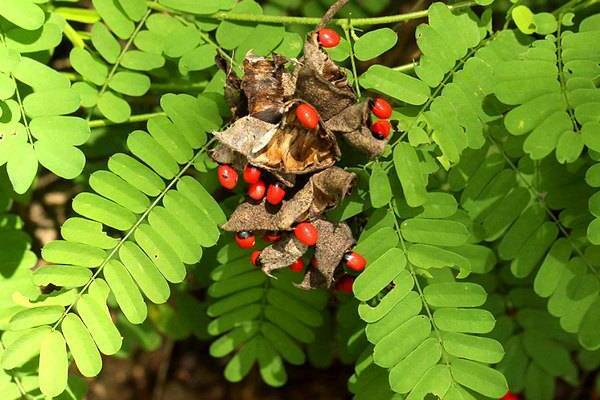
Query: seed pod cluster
[289,117]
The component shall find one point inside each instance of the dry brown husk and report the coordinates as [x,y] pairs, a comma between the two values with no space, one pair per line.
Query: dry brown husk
[324,191]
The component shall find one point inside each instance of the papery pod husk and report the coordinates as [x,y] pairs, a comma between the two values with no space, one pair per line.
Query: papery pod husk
[324,191]
[352,124]
[321,82]
[283,148]
[281,253]
[335,239]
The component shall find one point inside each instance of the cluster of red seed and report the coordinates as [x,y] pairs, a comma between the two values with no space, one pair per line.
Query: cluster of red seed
[257,188]
[305,232]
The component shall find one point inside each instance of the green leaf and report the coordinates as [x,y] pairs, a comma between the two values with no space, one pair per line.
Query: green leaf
[7,86]
[192,6]
[114,107]
[130,83]
[144,272]
[22,165]
[126,292]
[142,61]
[374,43]
[82,347]
[96,318]
[118,190]
[62,252]
[408,168]
[64,160]
[23,13]
[231,34]
[379,187]
[434,232]
[135,9]
[37,316]
[480,378]
[136,174]
[472,347]
[104,42]
[46,38]
[199,59]
[54,364]
[395,84]
[81,230]
[464,320]
[59,129]
[9,59]
[115,18]
[390,350]
[161,253]
[88,66]
[454,294]
[407,373]
[524,19]
[49,103]
[62,275]
[378,274]
[24,348]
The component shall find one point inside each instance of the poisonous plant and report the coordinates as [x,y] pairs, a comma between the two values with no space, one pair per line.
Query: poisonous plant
[281,187]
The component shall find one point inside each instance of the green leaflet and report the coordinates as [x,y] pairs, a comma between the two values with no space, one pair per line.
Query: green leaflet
[24,13]
[395,84]
[379,187]
[374,43]
[54,364]
[82,347]
[407,167]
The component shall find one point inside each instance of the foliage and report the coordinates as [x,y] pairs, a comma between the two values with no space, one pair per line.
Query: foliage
[480,222]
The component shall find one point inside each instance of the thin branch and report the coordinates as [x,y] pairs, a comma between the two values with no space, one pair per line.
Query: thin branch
[389,19]
[331,12]
[98,123]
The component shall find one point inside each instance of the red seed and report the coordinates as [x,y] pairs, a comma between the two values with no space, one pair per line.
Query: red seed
[254,257]
[275,193]
[272,236]
[381,129]
[251,174]
[306,233]
[344,284]
[228,177]
[328,38]
[257,190]
[355,261]
[297,266]
[381,108]
[307,115]
[510,396]
[245,239]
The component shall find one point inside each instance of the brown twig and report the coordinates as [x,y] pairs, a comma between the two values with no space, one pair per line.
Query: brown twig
[337,6]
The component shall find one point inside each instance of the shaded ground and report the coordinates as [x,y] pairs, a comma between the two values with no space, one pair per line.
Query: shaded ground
[189,373]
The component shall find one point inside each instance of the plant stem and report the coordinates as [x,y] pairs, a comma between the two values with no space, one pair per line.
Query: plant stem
[406,67]
[389,19]
[98,123]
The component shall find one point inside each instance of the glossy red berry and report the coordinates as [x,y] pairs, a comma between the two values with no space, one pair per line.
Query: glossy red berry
[381,129]
[245,239]
[228,177]
[306,233]
[328,38]
[254,257]
[381,108]
[272,236]
[355,261]
[251,174]
[257,190]
[307,115]
[297,266]
[510,396]
[275,193]
[344,284]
